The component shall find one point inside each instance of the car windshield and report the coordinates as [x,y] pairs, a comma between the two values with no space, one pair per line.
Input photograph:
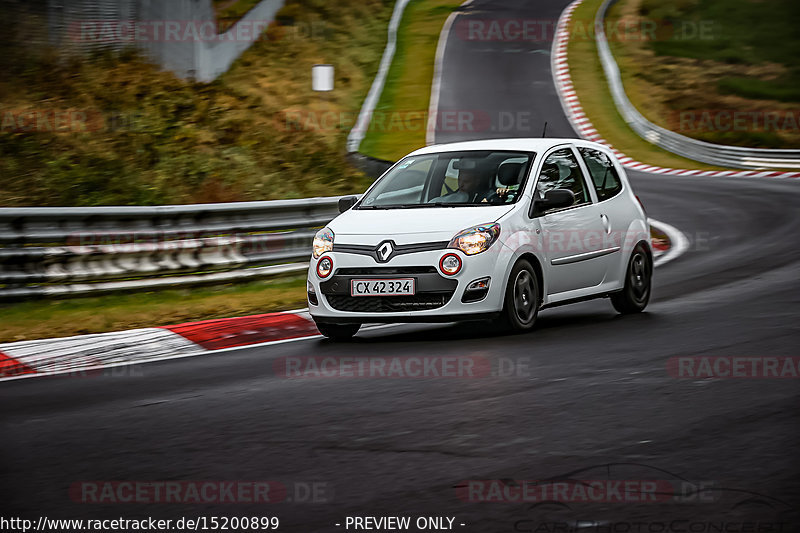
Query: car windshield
[451,179]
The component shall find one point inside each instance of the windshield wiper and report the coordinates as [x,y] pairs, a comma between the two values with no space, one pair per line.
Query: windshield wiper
[423,206]
[404,206]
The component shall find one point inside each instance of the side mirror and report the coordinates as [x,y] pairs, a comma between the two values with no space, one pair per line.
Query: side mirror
[346,202]
[553,199]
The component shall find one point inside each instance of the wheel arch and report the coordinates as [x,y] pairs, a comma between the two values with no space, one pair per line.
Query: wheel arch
[646,244]
[637,232]
[537,269]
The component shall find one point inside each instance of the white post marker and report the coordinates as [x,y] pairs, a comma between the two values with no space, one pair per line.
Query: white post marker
[322,78]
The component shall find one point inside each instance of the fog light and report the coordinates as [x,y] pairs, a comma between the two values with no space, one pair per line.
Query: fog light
[476,290]
[450,264]
[479,284]
[312,294]
[325,267]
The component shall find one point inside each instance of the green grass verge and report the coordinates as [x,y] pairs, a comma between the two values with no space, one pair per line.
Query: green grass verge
[78,316]
[715,57]
[786,89]
[592,89]
[400,119]
[732,31]
[177,142]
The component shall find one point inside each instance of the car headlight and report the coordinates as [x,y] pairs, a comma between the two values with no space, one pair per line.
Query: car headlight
[476,239]
[323,242]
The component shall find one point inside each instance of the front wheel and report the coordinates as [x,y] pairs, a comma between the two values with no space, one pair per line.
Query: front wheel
[338,332]
[634,296]
[522,298]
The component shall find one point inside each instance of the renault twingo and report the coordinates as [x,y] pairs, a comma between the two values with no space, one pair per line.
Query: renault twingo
[492,229]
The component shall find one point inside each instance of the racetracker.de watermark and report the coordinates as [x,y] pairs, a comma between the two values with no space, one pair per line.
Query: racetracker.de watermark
[92,243]
[199,492]
[190,31]
[62,121]
[730,120]
[92,368]
[400,367]
[585,491]
[415,120]
[532,30]
[735,367]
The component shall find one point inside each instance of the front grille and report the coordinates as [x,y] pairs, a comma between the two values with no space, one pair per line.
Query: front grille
[389,304]
[385,271]
[398,249]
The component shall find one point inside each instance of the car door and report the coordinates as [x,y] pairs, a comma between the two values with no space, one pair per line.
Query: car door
[571,237]
[613,207]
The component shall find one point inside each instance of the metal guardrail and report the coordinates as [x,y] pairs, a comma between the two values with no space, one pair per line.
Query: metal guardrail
[714,154]
[57,252]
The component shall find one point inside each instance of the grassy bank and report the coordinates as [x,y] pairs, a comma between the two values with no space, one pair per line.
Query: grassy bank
[59,318]
[711,59]
[229,11]
[591,86]
[400,119]
[115,130]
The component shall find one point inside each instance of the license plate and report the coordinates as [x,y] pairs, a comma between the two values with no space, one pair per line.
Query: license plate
[382,287]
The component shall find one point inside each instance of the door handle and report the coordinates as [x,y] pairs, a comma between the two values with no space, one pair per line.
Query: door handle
[606,223]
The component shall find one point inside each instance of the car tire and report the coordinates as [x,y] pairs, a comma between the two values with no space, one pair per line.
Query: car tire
[338,332]
[635,295]
[522,299]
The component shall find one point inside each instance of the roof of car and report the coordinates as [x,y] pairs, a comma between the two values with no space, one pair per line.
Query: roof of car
[532,144]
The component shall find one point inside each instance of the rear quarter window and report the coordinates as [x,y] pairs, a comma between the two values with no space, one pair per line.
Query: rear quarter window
[604,175]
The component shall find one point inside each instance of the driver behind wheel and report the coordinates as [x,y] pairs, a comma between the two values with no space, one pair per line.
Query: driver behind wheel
[473,187]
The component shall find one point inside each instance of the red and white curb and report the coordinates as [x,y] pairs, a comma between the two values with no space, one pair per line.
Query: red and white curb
[580,122]
[676,246]
[85,354]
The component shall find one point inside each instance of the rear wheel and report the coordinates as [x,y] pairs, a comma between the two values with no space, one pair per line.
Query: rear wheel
[338,332]
[522,298]
[634,296]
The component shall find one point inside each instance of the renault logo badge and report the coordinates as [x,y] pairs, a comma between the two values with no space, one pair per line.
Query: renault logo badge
[385,251]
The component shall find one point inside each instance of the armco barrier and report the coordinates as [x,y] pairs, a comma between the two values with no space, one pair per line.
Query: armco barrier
[714,154]
[64,251]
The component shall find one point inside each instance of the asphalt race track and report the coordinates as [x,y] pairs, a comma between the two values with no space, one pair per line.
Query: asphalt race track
[504,84]
[588,388]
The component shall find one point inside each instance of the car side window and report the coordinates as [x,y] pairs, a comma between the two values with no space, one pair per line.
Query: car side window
[560,170]
[604,175]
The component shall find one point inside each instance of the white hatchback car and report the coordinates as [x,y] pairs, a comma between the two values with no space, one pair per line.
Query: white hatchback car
[491,229]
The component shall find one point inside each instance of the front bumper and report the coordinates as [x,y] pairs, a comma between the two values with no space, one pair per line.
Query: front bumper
[438,297]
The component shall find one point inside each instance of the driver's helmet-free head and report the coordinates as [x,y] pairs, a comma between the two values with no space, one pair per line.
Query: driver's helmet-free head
[466,163]
[471,175]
